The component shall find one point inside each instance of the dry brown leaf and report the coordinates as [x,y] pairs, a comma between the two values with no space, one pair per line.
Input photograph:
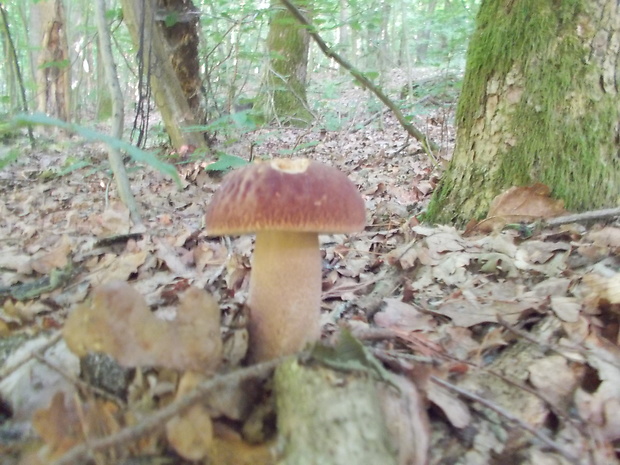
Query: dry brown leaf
[407,421]
[117,321]
[230,449]
[56,258]
[566,308]
[113,221]
[531,202]
[166,253]
[399,315]
[605,288]
[58,426]
[609,236]
[517,204]
[113,267]
[209,253]
[455,409]
[485,303]
[554,379]
[190,433]
[13,258]
[536,252]
[65,424]
[406,255]
[600,408]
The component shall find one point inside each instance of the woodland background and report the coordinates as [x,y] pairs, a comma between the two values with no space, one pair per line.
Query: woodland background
[496,343]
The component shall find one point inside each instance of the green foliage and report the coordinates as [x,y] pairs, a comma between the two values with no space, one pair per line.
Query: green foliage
[55,64]
[226,162]
[136,154]
[171,19]
[240,122]
[299,148]
[8,158]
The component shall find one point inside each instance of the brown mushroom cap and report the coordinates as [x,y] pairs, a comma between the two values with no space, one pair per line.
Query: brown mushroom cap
[285,195]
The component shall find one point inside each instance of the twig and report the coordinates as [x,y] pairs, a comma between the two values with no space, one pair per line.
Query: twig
[78,382]
[428,145]
[7,370]
[585,216]
[159,418]
[510,417]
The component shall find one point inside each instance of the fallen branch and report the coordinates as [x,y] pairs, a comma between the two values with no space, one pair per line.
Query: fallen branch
[428,145]
[510,417]
[158,419]
[593,215]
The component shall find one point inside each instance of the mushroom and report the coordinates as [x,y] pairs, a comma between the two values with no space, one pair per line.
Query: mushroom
[287,203]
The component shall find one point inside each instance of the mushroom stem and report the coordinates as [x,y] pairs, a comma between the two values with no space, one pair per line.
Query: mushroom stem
[285,293]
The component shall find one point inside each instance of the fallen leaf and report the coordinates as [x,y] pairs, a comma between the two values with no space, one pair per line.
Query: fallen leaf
[65,424]
[397,314]
[484,304]
[113,221]
[566,308]
[33,384]
[554,379]
[600,408]
[113,267]
[191,432]
[455,409]
[521,204]
[117,321]
[56,258]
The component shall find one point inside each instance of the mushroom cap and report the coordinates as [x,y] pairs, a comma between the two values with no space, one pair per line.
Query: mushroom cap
[285,195]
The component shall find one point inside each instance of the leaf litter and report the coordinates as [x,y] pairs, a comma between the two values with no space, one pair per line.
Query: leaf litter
[525,330]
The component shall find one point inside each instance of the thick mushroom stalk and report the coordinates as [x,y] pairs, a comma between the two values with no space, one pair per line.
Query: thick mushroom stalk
[285,293]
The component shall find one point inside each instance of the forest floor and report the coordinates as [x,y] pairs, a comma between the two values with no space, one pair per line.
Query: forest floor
[508,336]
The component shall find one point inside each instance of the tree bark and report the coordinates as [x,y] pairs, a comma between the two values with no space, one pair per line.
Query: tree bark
[284,82]
[539,104]
[114,156]
[182,40]
[48,30]
[147,33]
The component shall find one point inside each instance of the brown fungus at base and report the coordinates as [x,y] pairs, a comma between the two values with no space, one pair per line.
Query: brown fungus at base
[287,203]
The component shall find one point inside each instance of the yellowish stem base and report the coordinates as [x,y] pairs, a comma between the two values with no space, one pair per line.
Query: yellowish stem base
[285,294]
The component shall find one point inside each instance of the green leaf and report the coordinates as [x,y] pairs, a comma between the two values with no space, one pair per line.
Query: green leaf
[171,19]
[9,158]
[55,64]
[226,162]
[299,147]
[140,156]
[349,354]
[74,166]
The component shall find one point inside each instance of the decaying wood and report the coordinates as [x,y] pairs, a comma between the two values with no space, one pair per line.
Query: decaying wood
[335,417]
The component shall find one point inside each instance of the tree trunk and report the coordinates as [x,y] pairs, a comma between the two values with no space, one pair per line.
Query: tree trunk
[284,82]
[425,36]
[52,62]
[181,34]
[147,32]
[539,104]
[114,156]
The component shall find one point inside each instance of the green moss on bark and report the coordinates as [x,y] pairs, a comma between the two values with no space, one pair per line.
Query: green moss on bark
[554,123]
[284,96]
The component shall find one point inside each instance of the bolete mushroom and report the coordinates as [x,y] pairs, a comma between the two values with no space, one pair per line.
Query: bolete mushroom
[287,203]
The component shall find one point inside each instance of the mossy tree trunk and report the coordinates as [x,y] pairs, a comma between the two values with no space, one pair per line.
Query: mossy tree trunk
[284,83]
[539,104]
[173,81]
